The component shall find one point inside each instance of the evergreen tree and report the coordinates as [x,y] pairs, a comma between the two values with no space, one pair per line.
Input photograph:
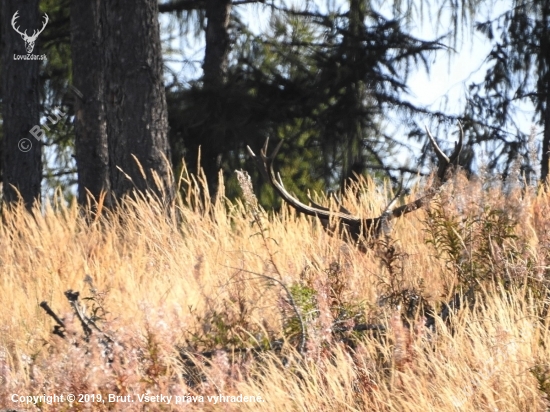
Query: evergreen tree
[519,71]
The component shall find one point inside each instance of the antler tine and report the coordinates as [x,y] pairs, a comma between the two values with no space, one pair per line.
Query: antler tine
[458,145]
[444,163]
[261,160]
[442,157]
[390,205]
[265,164]
[251,152]
[263,152]
[443,160]
[315,210]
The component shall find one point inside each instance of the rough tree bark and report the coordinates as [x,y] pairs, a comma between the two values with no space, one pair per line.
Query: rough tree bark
[21,160]
[91,152]
[135,102]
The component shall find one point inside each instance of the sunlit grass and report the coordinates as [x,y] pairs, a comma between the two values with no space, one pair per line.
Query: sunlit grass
[209,275]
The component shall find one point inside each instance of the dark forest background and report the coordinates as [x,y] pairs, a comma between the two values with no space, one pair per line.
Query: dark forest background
[325,77]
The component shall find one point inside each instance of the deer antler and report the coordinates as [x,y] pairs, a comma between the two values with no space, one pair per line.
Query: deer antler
[357,227]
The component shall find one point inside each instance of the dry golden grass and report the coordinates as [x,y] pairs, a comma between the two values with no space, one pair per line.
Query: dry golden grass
[205,278]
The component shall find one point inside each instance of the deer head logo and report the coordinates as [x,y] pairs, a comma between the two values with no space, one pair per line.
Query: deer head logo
[29,40]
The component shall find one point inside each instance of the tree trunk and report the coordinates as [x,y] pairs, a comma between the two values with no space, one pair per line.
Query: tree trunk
[353,158]
[546,140]
[214,76]
[217,42]
[544,81]
[92,158]
[21,160]
[135,102]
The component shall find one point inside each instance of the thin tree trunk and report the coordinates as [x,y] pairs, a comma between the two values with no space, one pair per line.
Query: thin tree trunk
[21,160]
[135,102]
[217,42]
[92,158]
[546,140]
[354,159]
[215,71]
[545,58]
